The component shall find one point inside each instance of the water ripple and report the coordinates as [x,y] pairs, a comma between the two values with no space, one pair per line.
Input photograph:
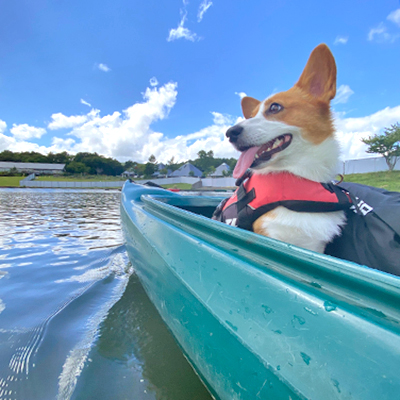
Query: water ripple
[55,246]
[75,322]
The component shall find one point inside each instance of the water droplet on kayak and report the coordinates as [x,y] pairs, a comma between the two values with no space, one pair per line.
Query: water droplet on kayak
[267,309]
[336,384]
[297,321]
[329,306]
[306,358]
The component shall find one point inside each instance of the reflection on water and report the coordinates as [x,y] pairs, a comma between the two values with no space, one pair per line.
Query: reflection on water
[136,354]
[74,320]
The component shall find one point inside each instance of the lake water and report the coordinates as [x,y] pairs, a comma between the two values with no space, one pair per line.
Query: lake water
[75,323]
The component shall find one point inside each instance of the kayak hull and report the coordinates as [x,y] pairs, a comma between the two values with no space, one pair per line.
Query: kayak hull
[258,318]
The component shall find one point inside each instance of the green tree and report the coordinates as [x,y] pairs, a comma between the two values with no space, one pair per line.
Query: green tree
[35,157]
[139,169]
[209,170]
[76,167]
[32,157]
[387,144]
[129,164]
[205,161]
[202,154]
[152,159]
[59,158]
[8,155]
[172,165]
[99,164]
[149,169]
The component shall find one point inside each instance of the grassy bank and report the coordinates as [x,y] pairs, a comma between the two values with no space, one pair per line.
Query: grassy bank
[13,181]
[181,186]
[80,178]
[10,181]
[385,179]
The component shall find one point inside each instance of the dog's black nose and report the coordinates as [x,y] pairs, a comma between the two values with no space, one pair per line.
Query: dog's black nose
[233,132]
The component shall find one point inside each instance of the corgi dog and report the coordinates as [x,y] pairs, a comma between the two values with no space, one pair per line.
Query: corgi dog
[290,136]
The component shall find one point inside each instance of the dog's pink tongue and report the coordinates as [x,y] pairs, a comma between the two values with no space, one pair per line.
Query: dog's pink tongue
[244,162]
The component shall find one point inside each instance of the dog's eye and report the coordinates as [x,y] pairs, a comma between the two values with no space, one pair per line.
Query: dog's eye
[274,108]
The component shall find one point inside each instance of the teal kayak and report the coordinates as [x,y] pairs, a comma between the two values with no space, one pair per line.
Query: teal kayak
[258,318]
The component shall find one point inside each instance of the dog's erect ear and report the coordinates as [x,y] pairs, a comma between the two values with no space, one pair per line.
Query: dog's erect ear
[248,106]
[319,75]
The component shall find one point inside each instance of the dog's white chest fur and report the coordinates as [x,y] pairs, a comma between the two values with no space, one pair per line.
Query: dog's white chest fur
[308,230]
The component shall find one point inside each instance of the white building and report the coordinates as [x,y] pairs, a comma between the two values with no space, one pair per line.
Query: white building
[33,168]
[364,165]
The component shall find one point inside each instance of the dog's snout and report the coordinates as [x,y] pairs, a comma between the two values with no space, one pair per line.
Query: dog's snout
[233,132]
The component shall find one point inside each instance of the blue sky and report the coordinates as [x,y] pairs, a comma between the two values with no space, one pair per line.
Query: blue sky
[128,79]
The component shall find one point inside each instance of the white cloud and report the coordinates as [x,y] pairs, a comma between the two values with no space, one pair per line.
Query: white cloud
[86,103]
[342,94]
[103,67]
[222,119]
[16,145]
[128,135]
[186,147]
[241,94]
[24,132]
[181,32]
[60,121]
[394,16]
[204,6]
[380,34]
[153,81]
[62,144]
[6,142]
[350,131]
[3,126]
[341,40]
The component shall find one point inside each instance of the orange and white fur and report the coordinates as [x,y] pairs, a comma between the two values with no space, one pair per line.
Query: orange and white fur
[293,131]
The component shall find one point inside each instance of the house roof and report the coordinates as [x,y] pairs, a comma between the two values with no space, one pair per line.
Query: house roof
[186,169]
[220,169]
[41,166]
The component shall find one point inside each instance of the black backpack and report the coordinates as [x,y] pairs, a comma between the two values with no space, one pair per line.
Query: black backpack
[371,235]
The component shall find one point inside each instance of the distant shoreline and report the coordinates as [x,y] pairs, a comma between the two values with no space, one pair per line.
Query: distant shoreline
[384,179]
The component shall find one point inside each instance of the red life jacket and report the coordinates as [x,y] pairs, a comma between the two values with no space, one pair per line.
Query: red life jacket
[259,194]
